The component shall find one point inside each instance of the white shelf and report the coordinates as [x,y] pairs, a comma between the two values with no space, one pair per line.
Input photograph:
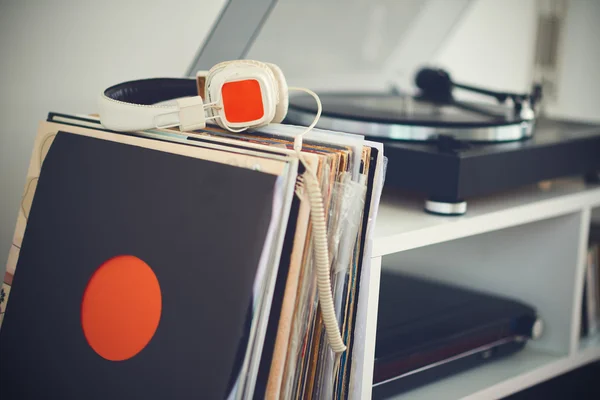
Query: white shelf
[403,225]
[528,244]
[507,376]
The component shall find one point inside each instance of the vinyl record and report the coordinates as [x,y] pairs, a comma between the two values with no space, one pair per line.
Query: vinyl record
[402,117]
[135,275]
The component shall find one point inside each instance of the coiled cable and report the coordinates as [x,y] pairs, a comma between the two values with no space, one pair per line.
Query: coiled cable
[308,185]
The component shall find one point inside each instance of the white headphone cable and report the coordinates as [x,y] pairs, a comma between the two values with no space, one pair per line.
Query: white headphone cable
[319,229]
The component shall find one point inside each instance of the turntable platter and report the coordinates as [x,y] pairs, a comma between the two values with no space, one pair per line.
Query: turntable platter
[391,116]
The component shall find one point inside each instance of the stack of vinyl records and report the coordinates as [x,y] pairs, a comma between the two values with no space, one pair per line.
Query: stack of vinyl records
[158,265]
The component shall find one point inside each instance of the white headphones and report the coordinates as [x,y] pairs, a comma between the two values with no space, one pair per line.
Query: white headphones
[237,95]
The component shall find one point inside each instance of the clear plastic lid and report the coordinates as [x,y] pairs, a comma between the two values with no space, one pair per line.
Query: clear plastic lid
[334,44]
[334,41]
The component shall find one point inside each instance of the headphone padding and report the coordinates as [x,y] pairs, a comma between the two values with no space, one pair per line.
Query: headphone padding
[283,103]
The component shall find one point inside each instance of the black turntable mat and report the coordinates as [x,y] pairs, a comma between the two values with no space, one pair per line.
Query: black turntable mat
[404,110]
[183,235]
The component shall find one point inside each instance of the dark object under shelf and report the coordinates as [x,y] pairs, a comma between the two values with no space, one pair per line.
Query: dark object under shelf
[429,330]
[580,384]
[595,233]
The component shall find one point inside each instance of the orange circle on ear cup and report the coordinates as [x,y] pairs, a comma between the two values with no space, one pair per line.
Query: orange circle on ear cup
[121,308]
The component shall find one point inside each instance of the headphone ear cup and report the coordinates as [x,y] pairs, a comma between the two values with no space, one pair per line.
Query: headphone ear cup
[272,71]
[207,92]
[283,103]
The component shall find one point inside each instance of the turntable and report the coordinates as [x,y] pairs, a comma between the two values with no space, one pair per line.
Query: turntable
[452,150]
[438,144]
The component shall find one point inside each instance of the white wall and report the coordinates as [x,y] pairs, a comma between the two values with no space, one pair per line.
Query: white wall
[578,82]
[57,55]
[494,45]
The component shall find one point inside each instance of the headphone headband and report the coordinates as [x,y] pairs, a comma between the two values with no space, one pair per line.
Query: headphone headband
[134,105]
[236,94]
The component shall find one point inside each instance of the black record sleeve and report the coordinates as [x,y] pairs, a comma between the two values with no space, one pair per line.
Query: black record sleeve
[199,225]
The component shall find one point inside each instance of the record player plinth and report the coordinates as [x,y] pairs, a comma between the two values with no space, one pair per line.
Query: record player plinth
[449,172]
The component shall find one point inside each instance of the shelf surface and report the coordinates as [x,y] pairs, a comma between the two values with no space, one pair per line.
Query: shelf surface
[403,225]
[506,376]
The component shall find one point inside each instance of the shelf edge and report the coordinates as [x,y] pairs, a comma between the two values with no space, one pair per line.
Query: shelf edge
[538,375]
[515,216]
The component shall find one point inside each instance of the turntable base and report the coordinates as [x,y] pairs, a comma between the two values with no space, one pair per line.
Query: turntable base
[449,172]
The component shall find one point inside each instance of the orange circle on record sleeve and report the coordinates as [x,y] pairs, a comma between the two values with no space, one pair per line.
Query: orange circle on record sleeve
[121,308]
